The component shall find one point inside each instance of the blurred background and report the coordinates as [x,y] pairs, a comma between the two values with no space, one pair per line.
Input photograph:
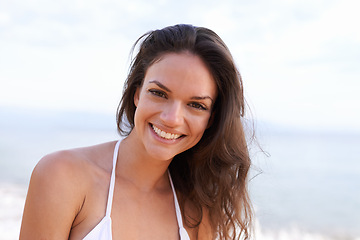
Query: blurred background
[63,64]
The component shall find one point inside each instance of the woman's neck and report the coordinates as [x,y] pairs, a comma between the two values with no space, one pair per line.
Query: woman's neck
[140,169]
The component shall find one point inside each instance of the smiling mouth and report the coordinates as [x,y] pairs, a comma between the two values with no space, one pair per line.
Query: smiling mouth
[165,135]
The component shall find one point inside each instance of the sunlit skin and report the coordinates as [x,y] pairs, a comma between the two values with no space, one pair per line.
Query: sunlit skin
[174,105]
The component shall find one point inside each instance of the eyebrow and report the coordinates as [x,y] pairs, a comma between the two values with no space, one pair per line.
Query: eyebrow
[202,98]
[160,85]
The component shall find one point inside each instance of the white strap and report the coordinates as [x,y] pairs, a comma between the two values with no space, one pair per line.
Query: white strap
[177,207]
[112,180]
[182,231]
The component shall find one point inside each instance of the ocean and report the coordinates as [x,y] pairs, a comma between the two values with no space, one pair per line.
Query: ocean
[304,184]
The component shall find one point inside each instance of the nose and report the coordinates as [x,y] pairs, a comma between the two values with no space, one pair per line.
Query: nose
[172,114]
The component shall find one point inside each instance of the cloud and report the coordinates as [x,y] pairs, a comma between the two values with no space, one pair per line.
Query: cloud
[297,58]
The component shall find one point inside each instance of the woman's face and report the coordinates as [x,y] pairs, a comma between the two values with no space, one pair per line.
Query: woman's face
[174,105]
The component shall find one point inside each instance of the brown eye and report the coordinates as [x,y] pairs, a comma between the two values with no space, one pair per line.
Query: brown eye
[157,93]
[198,106]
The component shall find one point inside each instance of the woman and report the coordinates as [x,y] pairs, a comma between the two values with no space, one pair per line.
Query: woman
[181,115]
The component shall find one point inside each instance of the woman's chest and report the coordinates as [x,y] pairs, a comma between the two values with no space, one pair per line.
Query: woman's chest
[138,215]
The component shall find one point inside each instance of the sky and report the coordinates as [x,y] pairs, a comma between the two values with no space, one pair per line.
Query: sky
[299,59]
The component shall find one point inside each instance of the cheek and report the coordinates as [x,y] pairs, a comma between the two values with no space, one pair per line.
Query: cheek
[144,111]
[200,125]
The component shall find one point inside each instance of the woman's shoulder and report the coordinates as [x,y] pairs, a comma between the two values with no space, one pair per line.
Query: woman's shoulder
[59,185]
[73,171]
[76,162]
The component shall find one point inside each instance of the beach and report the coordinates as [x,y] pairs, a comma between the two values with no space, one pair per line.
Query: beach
[11,207]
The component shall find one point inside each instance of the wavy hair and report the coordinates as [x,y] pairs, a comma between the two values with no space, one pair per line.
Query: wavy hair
[213,174]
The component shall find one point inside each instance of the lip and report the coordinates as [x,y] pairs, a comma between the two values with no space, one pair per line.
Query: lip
[163,139]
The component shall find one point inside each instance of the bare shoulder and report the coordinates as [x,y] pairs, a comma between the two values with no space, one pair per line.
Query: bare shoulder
[63,165]
[73,165]
[69,171]
[57,191]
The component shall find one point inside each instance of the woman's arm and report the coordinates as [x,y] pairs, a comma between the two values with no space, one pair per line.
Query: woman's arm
[54,198]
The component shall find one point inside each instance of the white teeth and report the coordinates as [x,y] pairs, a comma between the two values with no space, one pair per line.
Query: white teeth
[169,136]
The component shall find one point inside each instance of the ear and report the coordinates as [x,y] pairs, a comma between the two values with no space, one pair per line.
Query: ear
[137,96]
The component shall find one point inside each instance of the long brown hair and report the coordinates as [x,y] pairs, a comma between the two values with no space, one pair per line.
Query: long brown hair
[213,174]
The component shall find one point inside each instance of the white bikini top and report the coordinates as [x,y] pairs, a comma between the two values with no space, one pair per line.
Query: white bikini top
[102,231]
